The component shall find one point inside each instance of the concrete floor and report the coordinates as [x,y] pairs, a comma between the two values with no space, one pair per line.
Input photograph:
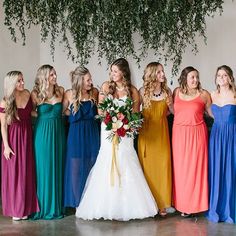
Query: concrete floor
[173,224]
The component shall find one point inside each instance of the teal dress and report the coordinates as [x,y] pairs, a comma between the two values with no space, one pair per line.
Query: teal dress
[49,145]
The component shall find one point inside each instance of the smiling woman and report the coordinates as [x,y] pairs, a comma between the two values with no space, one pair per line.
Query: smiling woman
[80,104]
[190,144]
[18,171]
[49,143]
[116,188]
[222,149]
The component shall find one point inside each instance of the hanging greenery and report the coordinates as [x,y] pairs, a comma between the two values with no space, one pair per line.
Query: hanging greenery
[84,26]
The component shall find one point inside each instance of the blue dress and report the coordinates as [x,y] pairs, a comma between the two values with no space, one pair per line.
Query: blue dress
[222,165]
[83,144]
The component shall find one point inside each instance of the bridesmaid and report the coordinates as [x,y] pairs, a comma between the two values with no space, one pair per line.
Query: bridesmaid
[190,140]
[49,143]
[222,149]
[153,140]
[18,170]
[84,132]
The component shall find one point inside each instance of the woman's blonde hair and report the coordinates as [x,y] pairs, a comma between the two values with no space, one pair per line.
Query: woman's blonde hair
[41,83]
[150,78]
[183,80]
[231,81]
[123,66]
[10,82]
[77,78]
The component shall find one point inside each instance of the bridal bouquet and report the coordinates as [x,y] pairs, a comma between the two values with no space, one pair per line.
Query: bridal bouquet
[120,120]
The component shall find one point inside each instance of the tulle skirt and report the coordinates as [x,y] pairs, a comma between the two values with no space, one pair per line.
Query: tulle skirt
[127,196]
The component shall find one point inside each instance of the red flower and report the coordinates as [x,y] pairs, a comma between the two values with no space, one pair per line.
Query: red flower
[125,121]
[107,118]
[121,132]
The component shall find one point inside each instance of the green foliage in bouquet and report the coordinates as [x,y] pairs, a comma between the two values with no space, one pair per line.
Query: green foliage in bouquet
[119,119]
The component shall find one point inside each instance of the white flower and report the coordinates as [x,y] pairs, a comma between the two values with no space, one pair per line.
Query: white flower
[115,102]
[126,127]
[116,125]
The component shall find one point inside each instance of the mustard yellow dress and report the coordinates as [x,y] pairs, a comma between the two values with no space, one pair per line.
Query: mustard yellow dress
[154,152]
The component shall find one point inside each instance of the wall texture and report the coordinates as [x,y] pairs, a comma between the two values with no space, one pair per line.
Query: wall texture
[220,49]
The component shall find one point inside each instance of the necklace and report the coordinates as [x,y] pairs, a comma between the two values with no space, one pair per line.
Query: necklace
[157,94]
[192,94]
[120,89]
[51,98]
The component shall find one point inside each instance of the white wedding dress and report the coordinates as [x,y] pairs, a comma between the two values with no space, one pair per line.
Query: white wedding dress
[129,197]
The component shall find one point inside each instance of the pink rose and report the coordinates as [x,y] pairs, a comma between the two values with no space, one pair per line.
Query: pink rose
[120,116]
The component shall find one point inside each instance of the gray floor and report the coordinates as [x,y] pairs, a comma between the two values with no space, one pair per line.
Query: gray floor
[173,224]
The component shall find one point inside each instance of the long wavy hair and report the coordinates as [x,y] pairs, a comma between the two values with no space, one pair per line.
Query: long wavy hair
[183,80]
[149,79]
[77,78]
[231,81]
[42,84]
[123,66]
[10,82]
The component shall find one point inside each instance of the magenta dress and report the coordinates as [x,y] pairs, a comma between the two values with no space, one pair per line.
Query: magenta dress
[18,174]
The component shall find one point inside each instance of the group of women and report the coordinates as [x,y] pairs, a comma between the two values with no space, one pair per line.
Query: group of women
[42,172]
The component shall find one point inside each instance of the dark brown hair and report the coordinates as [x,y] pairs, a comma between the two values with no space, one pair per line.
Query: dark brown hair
[123,66]
[183,79]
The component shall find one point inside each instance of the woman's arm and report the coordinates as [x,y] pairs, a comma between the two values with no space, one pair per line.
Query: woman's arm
[95,94]
[136,99]
[4,130]
[169,102]
[207,99]
[35,103]
[102,94]
[66,102]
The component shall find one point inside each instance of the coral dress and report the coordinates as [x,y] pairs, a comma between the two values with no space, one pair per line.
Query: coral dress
[49,145]
[129,197]
[154,152]
[18,174]
[83,144]
[222,165]
[190,156]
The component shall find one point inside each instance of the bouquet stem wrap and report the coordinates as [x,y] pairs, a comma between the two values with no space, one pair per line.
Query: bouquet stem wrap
[114,167]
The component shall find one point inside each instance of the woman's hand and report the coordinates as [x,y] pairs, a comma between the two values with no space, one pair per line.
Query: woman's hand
[7,153]
[67,112]
[34,113]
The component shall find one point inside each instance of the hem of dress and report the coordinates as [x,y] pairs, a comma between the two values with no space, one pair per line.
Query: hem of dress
[116,218]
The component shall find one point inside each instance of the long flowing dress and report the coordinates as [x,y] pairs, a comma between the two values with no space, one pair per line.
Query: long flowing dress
[190,156]
[18,174]
[154,152]
[83,143]
[222,165]
[49,144]
[129,197]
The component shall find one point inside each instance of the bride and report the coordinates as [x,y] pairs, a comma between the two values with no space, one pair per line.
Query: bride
[129,197]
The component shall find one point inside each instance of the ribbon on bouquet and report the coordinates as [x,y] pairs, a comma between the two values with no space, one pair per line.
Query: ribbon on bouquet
[114,167]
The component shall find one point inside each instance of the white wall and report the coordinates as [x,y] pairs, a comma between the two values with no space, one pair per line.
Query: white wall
[220,49]
[14,56]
